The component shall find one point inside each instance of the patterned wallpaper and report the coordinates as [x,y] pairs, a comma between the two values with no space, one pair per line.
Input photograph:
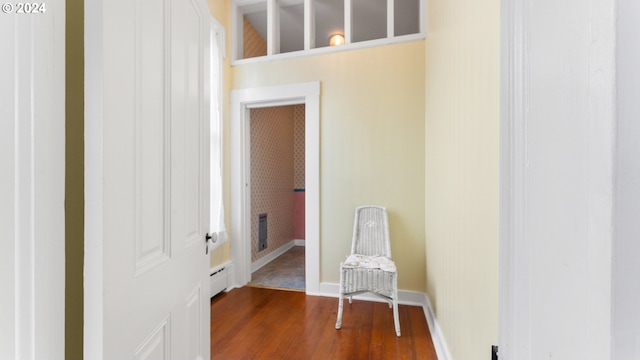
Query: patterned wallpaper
[272,149]
[298,143]
[254,44]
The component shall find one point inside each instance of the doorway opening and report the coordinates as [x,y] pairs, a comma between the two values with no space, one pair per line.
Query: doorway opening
[277,196]
[242,103]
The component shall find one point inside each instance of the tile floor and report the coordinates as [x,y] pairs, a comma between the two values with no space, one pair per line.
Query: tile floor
[285,272]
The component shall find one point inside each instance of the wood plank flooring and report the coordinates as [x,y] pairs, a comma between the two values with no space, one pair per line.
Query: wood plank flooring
[260,323]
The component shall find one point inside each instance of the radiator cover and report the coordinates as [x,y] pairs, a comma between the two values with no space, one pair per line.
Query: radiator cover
[218,281]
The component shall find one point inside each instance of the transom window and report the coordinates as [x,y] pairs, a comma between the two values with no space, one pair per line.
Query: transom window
[264,29]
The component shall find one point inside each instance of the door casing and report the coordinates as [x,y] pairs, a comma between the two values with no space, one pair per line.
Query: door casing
[241,102]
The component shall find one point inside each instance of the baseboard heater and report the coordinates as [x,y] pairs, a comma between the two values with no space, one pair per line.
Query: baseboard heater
[218,280]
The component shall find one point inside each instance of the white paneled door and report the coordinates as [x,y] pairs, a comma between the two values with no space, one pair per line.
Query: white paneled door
[146,175]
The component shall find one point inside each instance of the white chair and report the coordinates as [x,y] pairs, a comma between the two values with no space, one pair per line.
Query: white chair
[369,268]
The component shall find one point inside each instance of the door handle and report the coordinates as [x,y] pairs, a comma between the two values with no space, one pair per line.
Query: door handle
[207,237]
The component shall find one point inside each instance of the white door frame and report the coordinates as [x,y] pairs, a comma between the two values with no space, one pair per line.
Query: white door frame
[513,79]
[241,102]
[573,251]
[32,183]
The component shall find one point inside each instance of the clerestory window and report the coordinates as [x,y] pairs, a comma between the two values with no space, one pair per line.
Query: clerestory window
[266,29]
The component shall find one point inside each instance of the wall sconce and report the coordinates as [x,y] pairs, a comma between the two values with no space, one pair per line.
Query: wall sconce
[336,39]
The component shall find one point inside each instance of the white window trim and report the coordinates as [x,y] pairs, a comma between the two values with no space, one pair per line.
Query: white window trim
[237,32]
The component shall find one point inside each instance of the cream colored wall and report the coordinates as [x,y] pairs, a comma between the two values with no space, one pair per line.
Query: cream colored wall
[372,145]
[462,172]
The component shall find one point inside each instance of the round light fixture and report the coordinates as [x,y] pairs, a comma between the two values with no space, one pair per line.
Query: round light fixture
[336,39]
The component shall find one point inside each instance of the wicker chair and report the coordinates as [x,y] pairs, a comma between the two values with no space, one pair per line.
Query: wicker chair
[369,268]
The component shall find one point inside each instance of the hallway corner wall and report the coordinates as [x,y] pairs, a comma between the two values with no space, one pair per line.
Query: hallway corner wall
[462,117]
[371,144]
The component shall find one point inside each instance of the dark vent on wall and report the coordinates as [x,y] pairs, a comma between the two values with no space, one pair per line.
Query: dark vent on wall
[262,232]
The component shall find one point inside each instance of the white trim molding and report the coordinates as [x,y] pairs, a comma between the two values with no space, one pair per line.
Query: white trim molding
[626,288]
[405,297]
[437,336]
[331,49]
[557,175]
[273,30]
[241,101]
[32,167]
[256,265]
[514,104]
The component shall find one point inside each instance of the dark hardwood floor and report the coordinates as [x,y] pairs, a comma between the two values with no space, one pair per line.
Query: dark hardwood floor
[260,323]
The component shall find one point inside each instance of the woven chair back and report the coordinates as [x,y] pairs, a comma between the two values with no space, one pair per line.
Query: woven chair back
[371,232]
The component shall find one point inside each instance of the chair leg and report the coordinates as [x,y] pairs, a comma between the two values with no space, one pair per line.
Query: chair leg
[340,302]
[396,319]
[339,320]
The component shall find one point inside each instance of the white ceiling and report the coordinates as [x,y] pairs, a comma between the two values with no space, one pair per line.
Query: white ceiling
[369,20]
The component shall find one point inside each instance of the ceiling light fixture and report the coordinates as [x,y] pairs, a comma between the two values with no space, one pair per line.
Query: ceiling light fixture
[336,39]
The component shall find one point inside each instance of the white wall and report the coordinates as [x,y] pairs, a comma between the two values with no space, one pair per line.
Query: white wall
[558,128]
[626,267]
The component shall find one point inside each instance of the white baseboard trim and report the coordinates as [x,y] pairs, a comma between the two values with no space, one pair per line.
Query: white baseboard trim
[271,256]
[437,336]
[405,297]
[299,242]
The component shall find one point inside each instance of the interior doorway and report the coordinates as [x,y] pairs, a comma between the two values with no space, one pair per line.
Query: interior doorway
[242,102]
[277,182]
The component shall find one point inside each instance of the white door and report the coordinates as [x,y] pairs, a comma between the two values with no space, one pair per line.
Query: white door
[146,174]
